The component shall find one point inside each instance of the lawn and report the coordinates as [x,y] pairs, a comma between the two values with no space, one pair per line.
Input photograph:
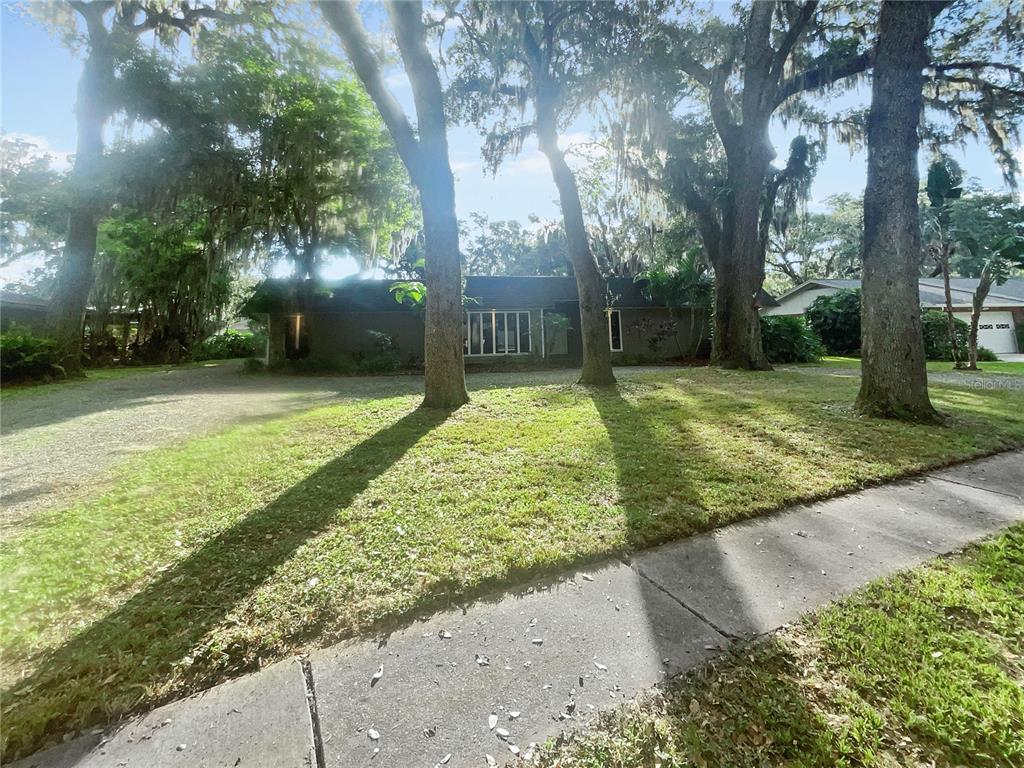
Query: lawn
[935,366]
[214,557]
[923,668]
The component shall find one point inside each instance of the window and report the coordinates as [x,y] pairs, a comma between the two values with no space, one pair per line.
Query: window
[985,327]
[1002,326]
[615,330]
[498,333]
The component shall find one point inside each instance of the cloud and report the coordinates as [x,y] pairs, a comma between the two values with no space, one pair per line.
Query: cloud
[60,159]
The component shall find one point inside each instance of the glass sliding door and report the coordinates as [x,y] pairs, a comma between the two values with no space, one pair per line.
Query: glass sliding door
[490,332]
[523,335]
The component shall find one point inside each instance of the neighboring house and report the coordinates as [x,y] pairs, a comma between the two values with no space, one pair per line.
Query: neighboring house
[22,310]
[1002,311]
[507,320]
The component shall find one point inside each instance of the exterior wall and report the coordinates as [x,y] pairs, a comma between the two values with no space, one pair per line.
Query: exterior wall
[338,334]
[639,326]
[798,303]
[275,353]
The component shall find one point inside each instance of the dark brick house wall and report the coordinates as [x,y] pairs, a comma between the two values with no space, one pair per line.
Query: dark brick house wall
[338,324]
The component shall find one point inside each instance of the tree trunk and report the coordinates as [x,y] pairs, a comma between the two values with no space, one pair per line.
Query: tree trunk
[445,315]
[954,345]
[426,158]
[739,262]
[444,367]
[977,303]
[597,356]
[75,274]
[739,272]
[894,380]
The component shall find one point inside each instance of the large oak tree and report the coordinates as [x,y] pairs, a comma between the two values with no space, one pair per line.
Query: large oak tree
[424,150]
[111,31]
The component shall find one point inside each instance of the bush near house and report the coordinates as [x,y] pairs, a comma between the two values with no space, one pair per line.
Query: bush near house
[24,357]
[229,344]
[790,340]
[935,327]
[836,320]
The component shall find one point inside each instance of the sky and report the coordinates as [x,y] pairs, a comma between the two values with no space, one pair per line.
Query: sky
[38,77]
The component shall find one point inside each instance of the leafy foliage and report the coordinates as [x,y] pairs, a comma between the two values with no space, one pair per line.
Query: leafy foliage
[817,245]
[229,344]
[24,357]
[790,340]
[937,344]
[836,320]
[509,248]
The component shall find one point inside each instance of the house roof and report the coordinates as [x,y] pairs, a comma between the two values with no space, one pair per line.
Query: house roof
[504,291]
[23,301]
[932,291]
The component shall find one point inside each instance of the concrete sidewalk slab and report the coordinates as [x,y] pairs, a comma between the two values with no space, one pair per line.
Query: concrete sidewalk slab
[753,577]
[602,638]
[1001,474]
[257,720]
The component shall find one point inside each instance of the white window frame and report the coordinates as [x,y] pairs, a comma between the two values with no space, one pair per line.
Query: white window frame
[611,343]
[508,313]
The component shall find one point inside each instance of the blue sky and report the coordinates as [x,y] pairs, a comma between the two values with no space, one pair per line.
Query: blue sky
[38,77]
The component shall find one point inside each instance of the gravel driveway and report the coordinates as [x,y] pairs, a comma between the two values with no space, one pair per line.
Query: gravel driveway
[57,443]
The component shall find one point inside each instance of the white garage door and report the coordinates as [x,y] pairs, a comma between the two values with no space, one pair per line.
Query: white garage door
[995,331]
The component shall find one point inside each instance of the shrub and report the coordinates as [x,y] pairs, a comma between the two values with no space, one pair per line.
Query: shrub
[379,362]
[229,344]
[836,320]
[936,337]
[24,357]
[789,340]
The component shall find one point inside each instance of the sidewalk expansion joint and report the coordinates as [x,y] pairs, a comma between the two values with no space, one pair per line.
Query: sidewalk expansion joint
[727,635]
[314,715]
[975,487]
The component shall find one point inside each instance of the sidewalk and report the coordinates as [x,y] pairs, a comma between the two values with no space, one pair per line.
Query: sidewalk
[502,673]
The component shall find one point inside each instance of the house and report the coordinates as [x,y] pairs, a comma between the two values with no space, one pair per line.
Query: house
[508,320]
[1002,312]
[23,311]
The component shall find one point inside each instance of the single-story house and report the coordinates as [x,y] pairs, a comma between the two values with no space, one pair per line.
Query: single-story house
[23,310]
[507,320]
[1002,311]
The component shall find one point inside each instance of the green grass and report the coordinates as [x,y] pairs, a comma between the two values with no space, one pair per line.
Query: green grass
[208,559]
[924,668]
[934,366]
[100,374]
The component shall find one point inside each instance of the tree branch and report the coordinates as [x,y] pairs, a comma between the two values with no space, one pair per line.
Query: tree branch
[796,28]
[824,75]
[344,20]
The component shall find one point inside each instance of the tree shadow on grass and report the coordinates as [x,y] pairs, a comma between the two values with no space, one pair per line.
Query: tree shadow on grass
[655,491]
[105,670]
